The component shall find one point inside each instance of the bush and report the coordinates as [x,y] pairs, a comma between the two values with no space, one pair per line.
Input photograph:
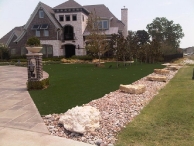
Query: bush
[85,57]
[37,85]
[4,52]
[33,41]
[53,58]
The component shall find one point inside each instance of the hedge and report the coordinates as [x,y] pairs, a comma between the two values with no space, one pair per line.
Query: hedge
[37,85]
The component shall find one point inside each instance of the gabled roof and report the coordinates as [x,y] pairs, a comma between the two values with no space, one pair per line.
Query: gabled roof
[103,12]
[68,4]
[6,39]
[50,13]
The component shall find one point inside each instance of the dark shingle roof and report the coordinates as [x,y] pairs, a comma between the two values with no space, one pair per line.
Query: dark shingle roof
[104,12]
[68,4]
[16,30]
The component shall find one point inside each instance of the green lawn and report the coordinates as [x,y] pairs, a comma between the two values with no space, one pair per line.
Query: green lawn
[168,120]
[76,84]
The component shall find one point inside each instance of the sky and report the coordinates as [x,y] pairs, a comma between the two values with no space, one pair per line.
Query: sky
[140,13]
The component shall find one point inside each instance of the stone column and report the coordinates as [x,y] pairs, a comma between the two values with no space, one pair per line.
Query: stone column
[34,66]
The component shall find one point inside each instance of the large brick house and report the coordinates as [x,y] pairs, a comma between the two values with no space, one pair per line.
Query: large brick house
[62,29]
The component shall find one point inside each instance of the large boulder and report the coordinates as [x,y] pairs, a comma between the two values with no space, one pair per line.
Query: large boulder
[81,119]
[133,89]
[173,68]
[157,78]
[161,71]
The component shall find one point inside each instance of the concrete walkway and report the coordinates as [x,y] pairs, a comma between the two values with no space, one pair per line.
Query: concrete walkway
[20,121]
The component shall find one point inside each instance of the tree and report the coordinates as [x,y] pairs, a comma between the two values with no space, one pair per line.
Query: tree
[132,42]
[97,44]
[142,36]
[165,31]
[4,52]
[119,47]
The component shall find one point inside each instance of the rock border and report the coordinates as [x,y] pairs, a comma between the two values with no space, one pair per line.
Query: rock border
[117,109]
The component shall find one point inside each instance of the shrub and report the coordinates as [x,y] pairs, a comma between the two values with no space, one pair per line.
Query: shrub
[4,52]
[37,85]
[85,57]
[53,59]
[33,41]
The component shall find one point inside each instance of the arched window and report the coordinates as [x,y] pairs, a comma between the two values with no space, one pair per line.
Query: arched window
[68,33]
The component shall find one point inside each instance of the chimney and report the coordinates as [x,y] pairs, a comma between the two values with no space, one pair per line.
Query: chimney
[124,19]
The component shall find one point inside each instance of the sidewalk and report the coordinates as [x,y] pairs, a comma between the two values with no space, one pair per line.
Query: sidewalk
[20,121]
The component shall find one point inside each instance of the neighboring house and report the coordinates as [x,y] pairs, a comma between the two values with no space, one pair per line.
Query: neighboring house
[62,29]
[189,50]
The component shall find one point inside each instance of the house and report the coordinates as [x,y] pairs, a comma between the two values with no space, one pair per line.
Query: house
[62,29]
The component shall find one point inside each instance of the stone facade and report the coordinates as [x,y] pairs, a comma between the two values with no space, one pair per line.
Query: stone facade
[35,72]
[57,50]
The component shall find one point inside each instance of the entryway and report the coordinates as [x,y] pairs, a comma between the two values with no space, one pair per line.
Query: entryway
[69,51]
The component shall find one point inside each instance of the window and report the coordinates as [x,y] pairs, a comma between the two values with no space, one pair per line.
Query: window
[24,51]
[83,18]
[46,33]
[74,17]
[67,17]
[43,50]
[41,14]
[38,33]
[13,51]
[103,24]
[44,26]
[49,50]
[34,27]
[61,18]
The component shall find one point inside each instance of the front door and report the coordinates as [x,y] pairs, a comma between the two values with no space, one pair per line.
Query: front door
[69,51]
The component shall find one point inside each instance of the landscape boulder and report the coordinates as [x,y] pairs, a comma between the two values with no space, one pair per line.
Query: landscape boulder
[157,78]
[173,68]
[133,89]
[161,71]
[81,119]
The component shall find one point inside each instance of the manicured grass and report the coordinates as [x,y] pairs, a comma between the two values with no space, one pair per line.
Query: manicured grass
[76,84]
[168,120]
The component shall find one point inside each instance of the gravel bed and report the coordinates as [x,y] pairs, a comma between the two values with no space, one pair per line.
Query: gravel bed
[117,110]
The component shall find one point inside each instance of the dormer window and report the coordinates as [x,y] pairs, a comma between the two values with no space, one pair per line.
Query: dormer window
[35,27]
[74,17]
[103,24]
[44,26]
[41,14]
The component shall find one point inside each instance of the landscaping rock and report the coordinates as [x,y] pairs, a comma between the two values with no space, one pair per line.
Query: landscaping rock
[81,119]
[161,71]
[173,68]
[117,109]
[157,78]
[133,89]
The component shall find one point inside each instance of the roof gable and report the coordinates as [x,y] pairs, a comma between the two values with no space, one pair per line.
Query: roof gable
[103,12]
[49,12]
[6,39]
[68,4]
